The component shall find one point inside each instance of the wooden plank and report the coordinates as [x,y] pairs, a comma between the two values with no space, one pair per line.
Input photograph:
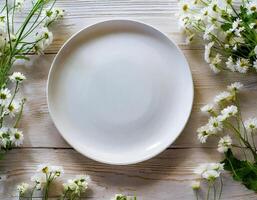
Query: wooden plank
[80,14]
[39,129]
[168,176]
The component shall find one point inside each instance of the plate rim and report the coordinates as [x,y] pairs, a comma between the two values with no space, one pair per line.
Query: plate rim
[158,151]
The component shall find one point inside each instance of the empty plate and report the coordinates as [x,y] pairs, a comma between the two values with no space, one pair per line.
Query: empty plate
[120,92]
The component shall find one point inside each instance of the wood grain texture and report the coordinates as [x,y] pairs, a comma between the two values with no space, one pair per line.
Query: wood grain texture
[166,177]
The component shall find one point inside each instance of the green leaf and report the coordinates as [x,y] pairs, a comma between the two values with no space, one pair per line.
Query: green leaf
[226,26]
[243,171]
[22,57]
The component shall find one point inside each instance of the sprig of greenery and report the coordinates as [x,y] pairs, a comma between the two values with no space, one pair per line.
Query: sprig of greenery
[32,36]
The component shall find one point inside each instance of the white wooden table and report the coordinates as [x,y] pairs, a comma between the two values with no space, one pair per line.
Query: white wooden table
[165,177]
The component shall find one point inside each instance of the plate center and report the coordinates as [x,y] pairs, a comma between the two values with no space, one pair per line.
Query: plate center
[119,92]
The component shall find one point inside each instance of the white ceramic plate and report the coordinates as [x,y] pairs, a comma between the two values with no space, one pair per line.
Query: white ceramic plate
[120,92]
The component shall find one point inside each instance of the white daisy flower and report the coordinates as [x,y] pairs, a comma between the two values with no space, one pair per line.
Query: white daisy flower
[223,96]
[208,166]
[224,144]
[251,124]
[195,185]
[251,7]
[207,52]
[4,137]
[16,137]
[229,112]
[215,125]
[56,170]
[17,77]
[40,180]
[203,133]
[12,108]
[44,38]
[184,7]
[5,94]
[207,108]
[235,87]
[242,65]
[52,15]
[230,64]
[77,185]
[23,188]
[214,63]
[211,175]
[216,166]
[209,171]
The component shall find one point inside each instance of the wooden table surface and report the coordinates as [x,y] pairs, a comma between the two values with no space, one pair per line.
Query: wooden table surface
[165,177]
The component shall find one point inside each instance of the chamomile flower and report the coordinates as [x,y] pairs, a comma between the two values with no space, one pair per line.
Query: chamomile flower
[203,133]
[235,87]
[12,109]
[207,108]
[209,171]
[17,77]
[40,180]
[224,144]
[5,94]
[44,38]
[211,175]
[16,137]
[23,188]
[223,96]
[207,52]
[75,187]
[214,65]
[56,170]
[251,7]
[52,15]
[230,64]
[242,65]
[229,111]
[215,125]
[195,185]
[251,124]
[208,166]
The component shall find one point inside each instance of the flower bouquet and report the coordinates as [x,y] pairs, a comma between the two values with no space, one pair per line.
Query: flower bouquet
[229,29]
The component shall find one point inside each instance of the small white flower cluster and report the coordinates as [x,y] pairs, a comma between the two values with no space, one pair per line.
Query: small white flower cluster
[220,112]
[231,42]
[75,187]
[207,171]
[10,107]
[10,137]
[53,15]
[45,173]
